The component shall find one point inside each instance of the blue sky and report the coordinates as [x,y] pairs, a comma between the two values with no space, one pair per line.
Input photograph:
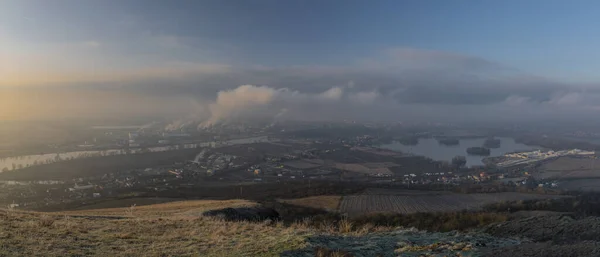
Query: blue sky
[473,52]
[551,38]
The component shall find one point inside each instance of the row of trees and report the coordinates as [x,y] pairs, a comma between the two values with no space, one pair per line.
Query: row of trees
[585,204]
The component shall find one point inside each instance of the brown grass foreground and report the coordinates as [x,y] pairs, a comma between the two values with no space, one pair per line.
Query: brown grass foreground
[191,207]
[178,229]
[169,229]
[140,232]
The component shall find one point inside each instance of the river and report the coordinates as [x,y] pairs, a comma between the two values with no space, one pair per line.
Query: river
[429,147]
[38,159]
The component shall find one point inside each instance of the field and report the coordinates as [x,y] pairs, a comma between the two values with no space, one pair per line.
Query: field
[192,207]
[581,185]
[570,167]
[302,164]
[324,202]
[178,229]
[222,191]
[367,168]
[355,205]
[172,229]
[125,202]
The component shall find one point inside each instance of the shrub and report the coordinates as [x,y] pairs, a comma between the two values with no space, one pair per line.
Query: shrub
[46,221]
[345,226]
[586,204]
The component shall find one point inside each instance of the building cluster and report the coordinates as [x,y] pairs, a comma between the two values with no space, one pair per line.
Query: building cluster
[538,154]
[216,162]
[36,194]
[511,159]
[449,177]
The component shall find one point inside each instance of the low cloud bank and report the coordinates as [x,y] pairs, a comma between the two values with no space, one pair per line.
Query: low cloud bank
[400,84]
[250,102]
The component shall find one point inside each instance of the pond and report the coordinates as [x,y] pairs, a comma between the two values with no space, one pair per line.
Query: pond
[431,148]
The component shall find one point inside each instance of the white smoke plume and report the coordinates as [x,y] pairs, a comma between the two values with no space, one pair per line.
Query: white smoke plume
[278,116]
[175,125]
[147,126]
[263,102]
[239,101]
[190,120]
[332,94]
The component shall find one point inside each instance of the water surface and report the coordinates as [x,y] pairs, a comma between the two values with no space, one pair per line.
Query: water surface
[430,148]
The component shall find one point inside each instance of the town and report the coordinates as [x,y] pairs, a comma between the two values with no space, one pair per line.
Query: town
[268,158]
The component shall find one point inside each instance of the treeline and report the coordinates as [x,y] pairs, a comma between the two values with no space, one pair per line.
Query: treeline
[441,222]
[581,205]
[433,222]
[556,143]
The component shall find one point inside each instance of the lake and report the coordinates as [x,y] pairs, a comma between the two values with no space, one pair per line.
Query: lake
[429,147]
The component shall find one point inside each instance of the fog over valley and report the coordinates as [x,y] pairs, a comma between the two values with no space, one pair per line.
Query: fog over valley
[396,85]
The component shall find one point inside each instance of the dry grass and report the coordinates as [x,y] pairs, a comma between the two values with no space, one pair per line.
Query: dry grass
[46,221]
[324,202]
[169,229]
[345,226]
[194,207]
[126,202]
[37,234]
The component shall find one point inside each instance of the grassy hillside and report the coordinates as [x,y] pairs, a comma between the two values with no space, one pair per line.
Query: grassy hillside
[177,208]
[171,229]
[179,229]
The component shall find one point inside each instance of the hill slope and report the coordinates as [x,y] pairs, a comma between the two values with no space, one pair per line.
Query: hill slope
[180,229]
[172,229]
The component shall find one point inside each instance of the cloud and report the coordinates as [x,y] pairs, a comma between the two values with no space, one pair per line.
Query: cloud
[561,99]
[332,94]
[365,97]
[138,57]
[515,100]
[242,100]
[411,59]
[48,76]
[567,98]
[396,84]
[249,102]
[89,103]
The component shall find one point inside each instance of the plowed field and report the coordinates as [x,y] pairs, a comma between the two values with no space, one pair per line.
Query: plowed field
[404,203]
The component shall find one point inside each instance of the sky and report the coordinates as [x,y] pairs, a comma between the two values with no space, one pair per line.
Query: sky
[400,59]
